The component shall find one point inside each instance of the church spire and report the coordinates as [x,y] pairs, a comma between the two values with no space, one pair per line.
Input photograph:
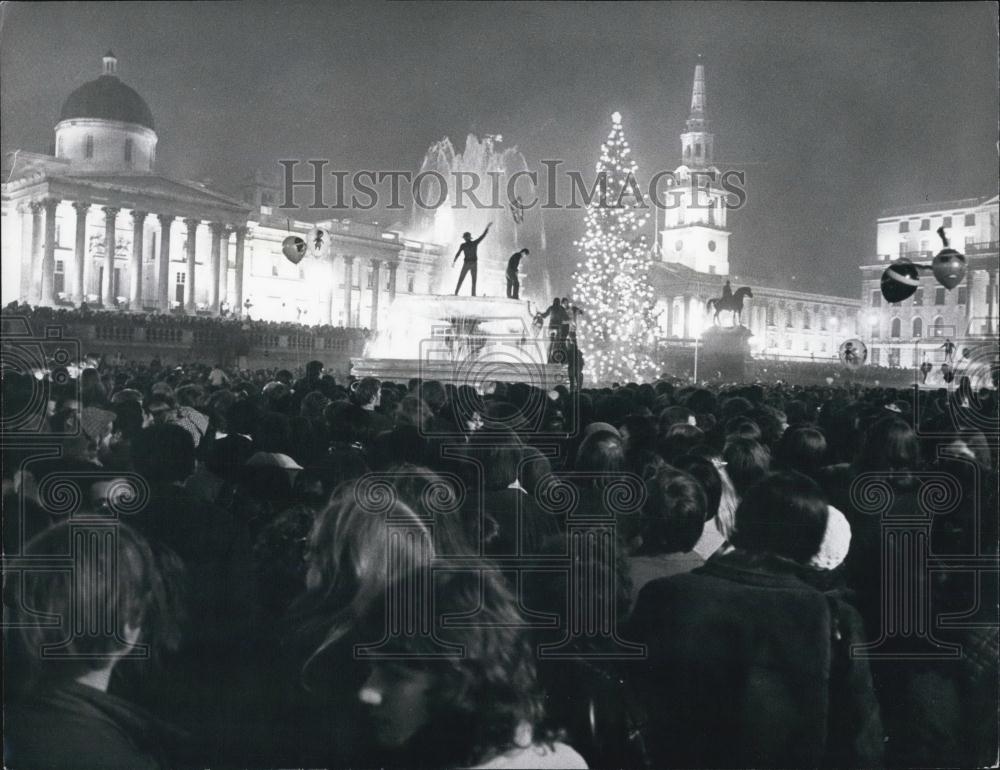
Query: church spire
[697,143]
[697,119]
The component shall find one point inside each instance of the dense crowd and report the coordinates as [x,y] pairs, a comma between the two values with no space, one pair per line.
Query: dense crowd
[41,314]
[313,573]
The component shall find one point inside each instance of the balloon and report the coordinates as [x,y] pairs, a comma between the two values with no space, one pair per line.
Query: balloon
[899,281]
[949,268]
[294,249]
[853,353]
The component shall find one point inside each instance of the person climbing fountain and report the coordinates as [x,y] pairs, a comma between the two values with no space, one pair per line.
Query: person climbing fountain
[470,263]
[513,284]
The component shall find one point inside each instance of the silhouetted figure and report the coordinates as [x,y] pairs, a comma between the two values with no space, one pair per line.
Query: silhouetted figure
[949,351]
[727,291]
[513,285]
[946,373]
[558,322]
[470,263]
[925,369]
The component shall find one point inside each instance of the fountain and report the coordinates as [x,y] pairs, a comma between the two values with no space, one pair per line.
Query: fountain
[465,339]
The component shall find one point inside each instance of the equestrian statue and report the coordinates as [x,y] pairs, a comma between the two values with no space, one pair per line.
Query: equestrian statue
[730,300]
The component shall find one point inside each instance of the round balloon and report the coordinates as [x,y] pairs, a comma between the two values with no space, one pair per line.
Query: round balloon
[899,281]
[294,248]
[853,353]
[949,268]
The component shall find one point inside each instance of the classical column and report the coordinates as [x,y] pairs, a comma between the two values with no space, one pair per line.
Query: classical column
[135,268]
[36,250]
[48,296]
[375,277]
[80,264]
[213,270]
[687,317]
[192,235]
[393,266]
[224,265]
[241,235]
[107,282]
[348,280]
[163,279]
[670,316]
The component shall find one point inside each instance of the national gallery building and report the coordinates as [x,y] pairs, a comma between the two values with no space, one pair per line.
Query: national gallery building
[96,223]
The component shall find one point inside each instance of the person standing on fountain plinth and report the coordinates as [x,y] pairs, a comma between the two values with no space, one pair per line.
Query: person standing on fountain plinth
[471,261]
[513,285]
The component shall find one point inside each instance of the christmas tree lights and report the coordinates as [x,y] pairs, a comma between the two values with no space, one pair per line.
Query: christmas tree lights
[612,282]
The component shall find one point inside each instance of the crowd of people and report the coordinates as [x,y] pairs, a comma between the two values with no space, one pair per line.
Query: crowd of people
[42,314]
[315,573]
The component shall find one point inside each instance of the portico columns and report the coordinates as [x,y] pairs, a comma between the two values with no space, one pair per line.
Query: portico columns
[163,279]
[135,269]
[36,250]
[348,280]
[213,272]
[48,296]
[224,266]
[687,317]
[189,285]
[241,235]
[80,255]
[375,277]
[393,266]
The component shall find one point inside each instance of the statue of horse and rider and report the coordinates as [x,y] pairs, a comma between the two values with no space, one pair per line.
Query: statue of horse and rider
[730,300]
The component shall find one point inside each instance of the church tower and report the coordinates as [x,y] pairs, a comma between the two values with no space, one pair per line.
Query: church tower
[694,223]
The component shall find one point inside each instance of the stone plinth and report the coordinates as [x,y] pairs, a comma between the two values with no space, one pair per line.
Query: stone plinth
[724,352]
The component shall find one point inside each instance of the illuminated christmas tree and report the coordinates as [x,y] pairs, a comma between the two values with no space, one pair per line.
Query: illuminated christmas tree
[612,282]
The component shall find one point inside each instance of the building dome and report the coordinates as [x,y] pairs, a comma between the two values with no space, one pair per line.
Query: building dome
[107,98]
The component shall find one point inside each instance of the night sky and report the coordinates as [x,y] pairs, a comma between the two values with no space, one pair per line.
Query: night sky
[834,111]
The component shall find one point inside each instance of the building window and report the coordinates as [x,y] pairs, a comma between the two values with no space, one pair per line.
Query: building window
[770,316]
[788,319]
[822,346]
[875,356]
[876,298]
[902,248]
[894,357]
[788,343]
[88,147]
[711,269]
[128,151]
[59,278]
[970,220]
[410,278]
[939,327]
[822,323]
[925,224]
[939,294]
[946,222]
[923,245]
[179,280]
[806,320]
[918,327]
[963,295]
[918,298]
[904,227]
[697,150]
[895,328]
[874,330]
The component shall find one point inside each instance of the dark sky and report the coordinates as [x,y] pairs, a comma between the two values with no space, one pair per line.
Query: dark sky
[835,111]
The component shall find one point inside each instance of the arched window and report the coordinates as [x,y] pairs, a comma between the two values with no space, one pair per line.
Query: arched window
[895,328]
[918,327]
[88,150]
[938,326]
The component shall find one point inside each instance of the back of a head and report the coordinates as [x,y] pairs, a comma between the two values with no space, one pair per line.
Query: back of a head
[673,513]
[601,453]
[163,453]
[747,461]
[742,427]
[705,473]
[801,449]
[890,445]
[783,514]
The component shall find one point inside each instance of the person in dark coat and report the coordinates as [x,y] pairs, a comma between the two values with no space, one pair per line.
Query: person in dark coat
[748,665]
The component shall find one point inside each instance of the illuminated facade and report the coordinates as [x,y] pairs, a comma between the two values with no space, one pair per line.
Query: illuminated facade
[96,223]
[909,332]
[693,263]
